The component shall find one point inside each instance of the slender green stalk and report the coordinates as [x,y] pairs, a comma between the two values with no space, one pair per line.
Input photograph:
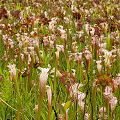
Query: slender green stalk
[11,107]
[8,105]
[40,104]
[55,83]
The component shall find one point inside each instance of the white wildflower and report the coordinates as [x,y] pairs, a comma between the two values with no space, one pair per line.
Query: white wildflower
[60,48]
[117,81]
[81,104]
[43,77]
[113,103]
[49,94]
[108,92]
[12,69]
[52,24]
[74,89]
[81,95]
[107,56]
[87,116]
[99,66]
[58,74]
[103,109]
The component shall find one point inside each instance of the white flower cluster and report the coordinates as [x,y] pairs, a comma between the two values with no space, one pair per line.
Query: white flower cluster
[12,69]
[43,77]
[74,91]
[109,95]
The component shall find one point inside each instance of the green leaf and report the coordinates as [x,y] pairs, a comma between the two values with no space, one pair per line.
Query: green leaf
[43,116]
[61,108]
[67,104]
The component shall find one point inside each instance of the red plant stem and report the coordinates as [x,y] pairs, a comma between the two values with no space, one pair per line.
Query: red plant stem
[49,111]
[66,115]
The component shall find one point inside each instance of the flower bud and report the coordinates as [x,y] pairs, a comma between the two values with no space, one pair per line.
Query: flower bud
[99,66]
[57,55]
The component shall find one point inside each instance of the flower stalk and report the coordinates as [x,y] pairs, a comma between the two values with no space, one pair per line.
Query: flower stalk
[49,94]
[43,80]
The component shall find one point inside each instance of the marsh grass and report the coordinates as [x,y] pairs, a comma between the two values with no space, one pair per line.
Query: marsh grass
[68,38]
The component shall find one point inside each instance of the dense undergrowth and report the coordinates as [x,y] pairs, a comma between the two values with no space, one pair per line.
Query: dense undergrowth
[59,60]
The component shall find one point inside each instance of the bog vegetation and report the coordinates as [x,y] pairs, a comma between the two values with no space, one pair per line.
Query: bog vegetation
[59,60]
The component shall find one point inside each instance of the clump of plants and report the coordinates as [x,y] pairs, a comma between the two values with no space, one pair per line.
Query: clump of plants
[59,60]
